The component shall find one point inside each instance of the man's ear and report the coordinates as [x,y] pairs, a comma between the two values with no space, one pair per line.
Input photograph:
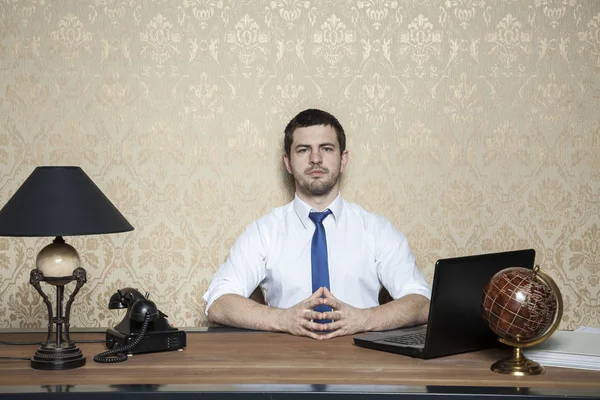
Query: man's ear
[286,161]
[345,159]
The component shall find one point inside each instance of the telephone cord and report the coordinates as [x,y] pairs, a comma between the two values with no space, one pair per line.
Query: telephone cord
[119,354]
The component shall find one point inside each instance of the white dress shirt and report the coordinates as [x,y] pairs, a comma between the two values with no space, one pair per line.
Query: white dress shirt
[365,251]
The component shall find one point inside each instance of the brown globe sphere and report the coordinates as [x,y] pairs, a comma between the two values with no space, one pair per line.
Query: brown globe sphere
[517,306]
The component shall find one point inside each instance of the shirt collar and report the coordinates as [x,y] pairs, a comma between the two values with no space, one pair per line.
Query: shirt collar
[302,210]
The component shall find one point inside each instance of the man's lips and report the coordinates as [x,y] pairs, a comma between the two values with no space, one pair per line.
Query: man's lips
[316,172]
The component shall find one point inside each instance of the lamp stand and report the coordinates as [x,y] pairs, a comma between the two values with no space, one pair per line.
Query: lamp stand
[61,353]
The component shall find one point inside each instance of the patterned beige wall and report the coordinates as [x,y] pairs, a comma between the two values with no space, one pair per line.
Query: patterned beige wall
[473,125]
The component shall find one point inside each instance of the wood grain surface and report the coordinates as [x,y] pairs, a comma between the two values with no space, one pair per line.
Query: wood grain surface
[258,357]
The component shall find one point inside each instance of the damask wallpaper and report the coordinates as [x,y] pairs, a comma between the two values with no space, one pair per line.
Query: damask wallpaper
[473,125]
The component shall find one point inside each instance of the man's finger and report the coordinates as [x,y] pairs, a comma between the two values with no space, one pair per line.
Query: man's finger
[333,326]
[333,315]
[318,293]
[332,334]
[313,326]
[312,303]
[312,335]
[332,302]
[310,315]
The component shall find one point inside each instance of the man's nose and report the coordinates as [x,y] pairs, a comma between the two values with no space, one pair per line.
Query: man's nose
[315,157]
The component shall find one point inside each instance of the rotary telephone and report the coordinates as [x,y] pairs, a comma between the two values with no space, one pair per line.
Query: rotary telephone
[144,329]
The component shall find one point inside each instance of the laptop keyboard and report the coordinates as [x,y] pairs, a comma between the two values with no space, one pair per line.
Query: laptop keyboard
[413,339]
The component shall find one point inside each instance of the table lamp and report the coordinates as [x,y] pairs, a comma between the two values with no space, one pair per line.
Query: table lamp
[59,201]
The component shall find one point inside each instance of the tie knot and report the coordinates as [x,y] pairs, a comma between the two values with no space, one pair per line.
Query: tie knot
[318,217]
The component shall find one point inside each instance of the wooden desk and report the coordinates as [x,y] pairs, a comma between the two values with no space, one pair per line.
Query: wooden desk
[265,363]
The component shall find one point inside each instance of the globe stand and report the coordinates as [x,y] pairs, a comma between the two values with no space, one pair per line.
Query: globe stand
[518,364]
[62,353]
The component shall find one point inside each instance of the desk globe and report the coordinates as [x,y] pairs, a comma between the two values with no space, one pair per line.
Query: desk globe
[523,307]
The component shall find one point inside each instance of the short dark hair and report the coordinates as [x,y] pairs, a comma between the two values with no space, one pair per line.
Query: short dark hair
[313,117]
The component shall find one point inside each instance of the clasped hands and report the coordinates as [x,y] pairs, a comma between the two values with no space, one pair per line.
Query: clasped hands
[300,319]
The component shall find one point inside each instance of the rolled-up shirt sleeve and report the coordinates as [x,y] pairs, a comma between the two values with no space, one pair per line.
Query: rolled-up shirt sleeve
[243,270]
[396,266]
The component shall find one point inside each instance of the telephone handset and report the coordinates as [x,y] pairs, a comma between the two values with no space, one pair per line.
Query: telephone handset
[144,329]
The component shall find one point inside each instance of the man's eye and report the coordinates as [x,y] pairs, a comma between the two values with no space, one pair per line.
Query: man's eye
[328,149]
[302,150]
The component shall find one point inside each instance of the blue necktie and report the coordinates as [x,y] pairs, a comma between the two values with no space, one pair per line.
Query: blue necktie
[318,254]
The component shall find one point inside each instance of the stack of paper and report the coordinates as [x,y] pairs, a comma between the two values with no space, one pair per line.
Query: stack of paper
[568,349]
[587,329]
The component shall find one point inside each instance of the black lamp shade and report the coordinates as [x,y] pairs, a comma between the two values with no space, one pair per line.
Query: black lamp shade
[60,201]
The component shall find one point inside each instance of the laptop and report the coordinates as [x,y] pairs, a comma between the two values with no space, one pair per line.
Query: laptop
[455,323]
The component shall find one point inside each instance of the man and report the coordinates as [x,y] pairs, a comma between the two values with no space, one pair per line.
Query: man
[342,256]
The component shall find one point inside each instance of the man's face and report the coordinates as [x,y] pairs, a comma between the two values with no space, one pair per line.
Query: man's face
[315,160]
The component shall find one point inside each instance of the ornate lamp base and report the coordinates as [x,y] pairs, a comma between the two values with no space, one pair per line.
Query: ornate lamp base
[517,365]
[52,357]
[61,353]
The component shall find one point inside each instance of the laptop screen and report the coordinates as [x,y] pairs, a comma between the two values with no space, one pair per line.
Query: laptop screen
[455,320]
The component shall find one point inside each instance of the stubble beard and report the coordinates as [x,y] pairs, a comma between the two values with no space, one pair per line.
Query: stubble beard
[318,187]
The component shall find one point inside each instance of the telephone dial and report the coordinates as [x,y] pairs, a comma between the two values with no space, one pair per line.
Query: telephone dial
[144,329]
